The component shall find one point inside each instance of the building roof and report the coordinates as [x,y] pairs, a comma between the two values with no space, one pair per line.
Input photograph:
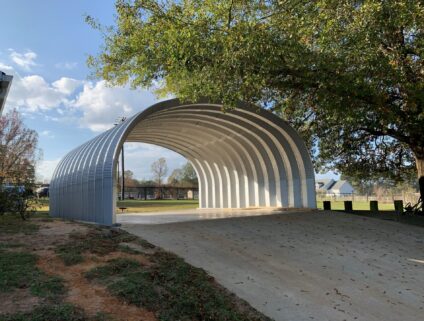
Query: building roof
[5,82]
[326,183]
[339,184]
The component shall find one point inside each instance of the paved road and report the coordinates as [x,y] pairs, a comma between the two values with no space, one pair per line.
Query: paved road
[307,266]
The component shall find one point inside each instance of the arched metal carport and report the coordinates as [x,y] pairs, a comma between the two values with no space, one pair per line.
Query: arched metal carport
[243,158]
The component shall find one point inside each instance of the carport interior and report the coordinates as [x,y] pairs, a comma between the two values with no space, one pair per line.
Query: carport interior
[243,158]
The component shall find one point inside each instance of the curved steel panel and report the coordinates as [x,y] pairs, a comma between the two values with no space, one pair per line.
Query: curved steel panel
[243,158]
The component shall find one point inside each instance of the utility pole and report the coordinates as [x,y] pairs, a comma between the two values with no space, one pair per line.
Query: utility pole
[118,121]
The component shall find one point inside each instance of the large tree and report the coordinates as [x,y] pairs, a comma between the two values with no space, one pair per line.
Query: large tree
[18,156]
[18,150]
[349,75]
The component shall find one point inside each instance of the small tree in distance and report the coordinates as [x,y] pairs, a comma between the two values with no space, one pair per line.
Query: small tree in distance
[184,176]
[159,170]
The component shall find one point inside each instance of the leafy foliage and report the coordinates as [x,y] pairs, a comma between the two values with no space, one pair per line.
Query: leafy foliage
[18,156]
[349,75]
[183,177]
[18,150]
[18,200]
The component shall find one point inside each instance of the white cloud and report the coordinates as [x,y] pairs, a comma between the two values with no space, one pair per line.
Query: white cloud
[47,133]
[66,65]
[92,105]
[101,104]
[5,68]
[66,85]
[33,93]
[45,169]
[24,60]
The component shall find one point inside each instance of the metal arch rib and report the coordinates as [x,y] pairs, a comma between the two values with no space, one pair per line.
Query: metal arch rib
[243,158]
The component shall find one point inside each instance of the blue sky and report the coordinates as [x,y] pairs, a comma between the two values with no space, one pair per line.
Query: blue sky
[44,44]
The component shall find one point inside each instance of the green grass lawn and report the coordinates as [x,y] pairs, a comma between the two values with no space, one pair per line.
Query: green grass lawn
[43,205]
[142,206]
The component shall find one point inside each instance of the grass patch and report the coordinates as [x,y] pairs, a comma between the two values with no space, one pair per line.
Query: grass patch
[145,244]
[43,207]
[172,288]
[7,245]
[13,224]
[70,255]
[127,249]
[55,312]
[18,270]
[100,241]
[49,287]
[60,312]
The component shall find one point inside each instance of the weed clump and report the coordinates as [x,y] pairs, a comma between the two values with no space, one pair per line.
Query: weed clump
[99,241]
[59,312]
[172,288]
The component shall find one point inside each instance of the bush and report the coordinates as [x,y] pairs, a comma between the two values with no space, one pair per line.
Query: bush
[18,200]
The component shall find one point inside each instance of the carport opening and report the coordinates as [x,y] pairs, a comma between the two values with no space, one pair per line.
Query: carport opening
[154,179]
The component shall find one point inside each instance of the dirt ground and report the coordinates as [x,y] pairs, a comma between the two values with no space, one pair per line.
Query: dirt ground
[92,298]
[306,266]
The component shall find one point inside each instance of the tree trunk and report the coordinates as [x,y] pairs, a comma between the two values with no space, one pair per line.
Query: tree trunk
[419,160]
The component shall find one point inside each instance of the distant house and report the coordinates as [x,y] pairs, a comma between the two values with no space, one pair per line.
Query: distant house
[5,82]
[323,185]
[331,187]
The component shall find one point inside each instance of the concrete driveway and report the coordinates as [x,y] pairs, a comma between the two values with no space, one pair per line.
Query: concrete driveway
[307,266]
[189,215]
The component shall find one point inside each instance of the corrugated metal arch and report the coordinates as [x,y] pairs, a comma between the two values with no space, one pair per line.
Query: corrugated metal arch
[243,158]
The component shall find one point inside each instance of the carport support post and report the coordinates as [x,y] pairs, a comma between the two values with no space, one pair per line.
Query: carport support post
[327,205]
[348,206]
[374,206]
[123,174]
[399,206]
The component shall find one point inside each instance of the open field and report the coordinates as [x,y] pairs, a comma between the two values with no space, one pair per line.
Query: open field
[52,269]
